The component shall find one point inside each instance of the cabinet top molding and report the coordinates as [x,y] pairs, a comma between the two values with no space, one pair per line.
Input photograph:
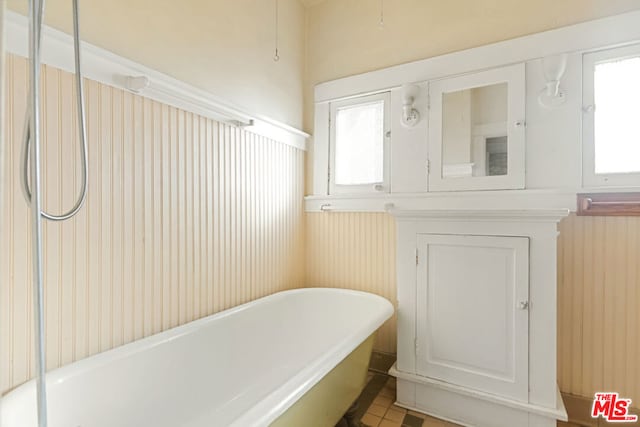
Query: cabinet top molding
[519,215]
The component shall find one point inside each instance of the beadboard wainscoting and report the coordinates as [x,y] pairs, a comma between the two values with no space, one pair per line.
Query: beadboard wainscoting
[598,301]
[598,289]
[185,217]
[354,251]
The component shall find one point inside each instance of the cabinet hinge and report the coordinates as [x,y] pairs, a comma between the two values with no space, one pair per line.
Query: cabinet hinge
[416,256]
[428,166]
[415,344]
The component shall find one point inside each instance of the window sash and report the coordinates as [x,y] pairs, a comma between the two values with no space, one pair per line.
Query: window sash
[382,187]
[591,179]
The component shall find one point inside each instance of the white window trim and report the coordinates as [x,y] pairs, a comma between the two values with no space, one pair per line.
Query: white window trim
[589,178]
[385,185]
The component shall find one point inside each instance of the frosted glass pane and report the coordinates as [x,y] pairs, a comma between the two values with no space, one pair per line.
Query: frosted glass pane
[359,144]
[617,116]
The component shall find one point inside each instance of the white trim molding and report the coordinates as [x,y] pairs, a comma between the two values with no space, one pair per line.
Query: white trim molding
[612,31]
[529,215]
[559,412]
[108,68]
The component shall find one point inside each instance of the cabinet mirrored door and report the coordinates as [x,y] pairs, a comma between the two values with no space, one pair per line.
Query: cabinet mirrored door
[476,131]
[472,322]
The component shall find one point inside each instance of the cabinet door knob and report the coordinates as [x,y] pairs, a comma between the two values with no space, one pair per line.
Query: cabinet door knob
[523,305]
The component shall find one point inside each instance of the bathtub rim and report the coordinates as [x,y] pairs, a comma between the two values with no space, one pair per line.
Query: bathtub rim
[265,410]
[315,371]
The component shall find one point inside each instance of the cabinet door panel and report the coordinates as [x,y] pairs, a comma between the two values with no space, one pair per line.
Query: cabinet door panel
[472,312]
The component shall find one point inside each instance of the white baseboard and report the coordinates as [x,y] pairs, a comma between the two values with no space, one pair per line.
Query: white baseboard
[470,407]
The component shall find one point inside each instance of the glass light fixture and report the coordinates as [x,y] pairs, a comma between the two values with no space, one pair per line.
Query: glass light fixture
[554,67]
[410,116]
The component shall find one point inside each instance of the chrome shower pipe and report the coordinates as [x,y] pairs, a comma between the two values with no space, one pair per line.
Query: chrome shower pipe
[36,247]
[31,148]
[2,155]
[81,122]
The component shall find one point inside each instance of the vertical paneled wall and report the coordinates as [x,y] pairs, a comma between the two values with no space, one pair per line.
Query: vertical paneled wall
[185,217]
[598,289]
[354,251]
[599,306]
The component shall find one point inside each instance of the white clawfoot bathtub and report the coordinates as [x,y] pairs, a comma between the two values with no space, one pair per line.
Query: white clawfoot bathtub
[247,366]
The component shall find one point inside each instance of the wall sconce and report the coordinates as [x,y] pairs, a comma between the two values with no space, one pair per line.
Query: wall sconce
[554,67]
[410,116]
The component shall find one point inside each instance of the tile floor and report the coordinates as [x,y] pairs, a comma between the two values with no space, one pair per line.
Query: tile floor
[377,408]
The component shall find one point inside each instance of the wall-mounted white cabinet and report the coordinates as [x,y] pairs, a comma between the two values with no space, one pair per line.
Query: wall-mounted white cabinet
[470,136]
[481,135]
[477,131]
[477,316]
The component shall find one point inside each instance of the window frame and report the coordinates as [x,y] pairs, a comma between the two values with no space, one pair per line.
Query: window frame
[590,179]
[381,187]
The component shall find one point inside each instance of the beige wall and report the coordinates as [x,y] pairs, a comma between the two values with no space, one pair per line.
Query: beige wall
[224,47]
[184,217]
[598,300]
[354,251]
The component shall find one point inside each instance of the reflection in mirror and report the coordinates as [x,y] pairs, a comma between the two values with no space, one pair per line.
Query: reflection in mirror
[496,160]
[474,132]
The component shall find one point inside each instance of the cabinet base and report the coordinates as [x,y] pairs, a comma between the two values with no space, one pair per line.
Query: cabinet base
[470,407]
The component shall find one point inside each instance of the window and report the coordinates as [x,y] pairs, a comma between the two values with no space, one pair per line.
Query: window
[612,108]
[359,145]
